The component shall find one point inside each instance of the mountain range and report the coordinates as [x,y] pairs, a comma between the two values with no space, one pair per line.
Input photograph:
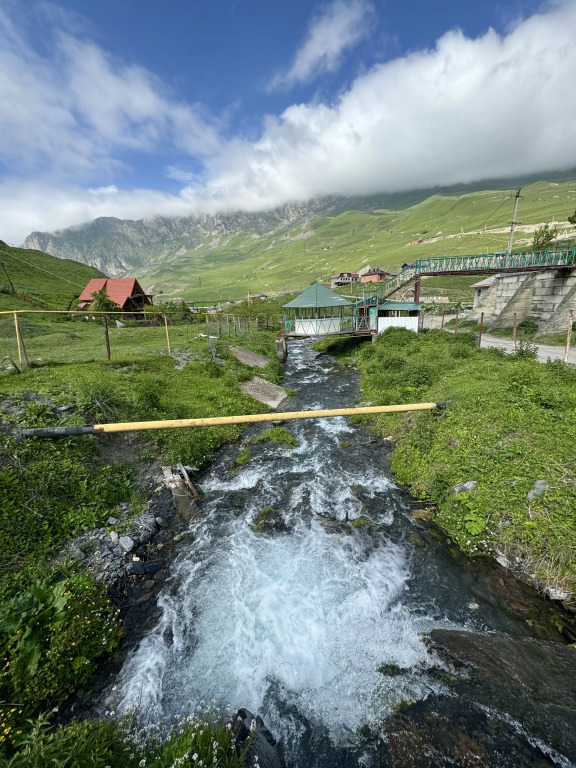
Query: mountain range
[215,257]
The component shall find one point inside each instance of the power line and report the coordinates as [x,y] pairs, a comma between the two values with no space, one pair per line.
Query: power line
[35,266]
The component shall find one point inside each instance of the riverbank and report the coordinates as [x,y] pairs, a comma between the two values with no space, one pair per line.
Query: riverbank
[58,618]
[497,465]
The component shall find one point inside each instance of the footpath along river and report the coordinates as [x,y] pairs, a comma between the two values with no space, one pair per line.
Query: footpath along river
[320,622]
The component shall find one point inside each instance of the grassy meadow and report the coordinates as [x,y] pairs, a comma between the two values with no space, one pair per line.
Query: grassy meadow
[39,280]
[56,621]
[458,223]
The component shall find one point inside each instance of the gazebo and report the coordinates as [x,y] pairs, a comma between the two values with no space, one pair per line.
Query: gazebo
[316,312]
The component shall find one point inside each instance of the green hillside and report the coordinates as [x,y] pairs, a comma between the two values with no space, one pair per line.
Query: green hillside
[35,280]
[453,224]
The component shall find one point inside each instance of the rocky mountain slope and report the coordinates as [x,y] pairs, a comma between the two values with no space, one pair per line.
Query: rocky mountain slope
[215,257]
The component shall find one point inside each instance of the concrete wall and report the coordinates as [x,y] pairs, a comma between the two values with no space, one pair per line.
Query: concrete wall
[545,297]
[398,322]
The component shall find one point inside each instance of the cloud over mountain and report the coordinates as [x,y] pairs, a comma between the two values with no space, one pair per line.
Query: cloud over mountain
[464,110]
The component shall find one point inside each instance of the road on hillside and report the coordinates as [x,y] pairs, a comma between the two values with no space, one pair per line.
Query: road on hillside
[545,352]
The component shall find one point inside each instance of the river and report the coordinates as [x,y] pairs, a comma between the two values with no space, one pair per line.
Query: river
[320,624]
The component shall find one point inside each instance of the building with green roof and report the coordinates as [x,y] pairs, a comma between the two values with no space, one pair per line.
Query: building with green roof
[316,312]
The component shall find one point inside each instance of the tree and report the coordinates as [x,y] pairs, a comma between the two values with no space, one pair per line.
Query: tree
[572,219]
[543,238]
[101,302]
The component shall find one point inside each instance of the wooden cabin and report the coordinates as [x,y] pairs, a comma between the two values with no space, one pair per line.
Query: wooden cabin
[126,292]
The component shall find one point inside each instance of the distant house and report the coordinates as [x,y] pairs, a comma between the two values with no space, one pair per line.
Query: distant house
[343,278]
[375,276]
[126,292]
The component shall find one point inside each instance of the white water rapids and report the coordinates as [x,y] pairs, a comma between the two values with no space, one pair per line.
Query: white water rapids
[294,625]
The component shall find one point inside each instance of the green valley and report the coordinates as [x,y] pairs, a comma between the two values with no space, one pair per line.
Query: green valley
[217,258]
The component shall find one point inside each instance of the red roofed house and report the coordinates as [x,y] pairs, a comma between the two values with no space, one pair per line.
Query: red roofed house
[126,292]
[375,276]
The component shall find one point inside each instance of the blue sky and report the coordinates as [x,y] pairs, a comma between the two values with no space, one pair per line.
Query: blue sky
[136,108]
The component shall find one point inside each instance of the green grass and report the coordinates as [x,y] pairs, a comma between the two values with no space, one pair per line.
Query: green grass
[203,738]
[45,281]
[510,421]
[53,489]
[279,436]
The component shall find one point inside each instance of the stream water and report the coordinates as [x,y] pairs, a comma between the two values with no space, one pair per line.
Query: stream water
[317,625]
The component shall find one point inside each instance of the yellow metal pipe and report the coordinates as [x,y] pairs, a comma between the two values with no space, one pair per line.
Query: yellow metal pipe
[133,426]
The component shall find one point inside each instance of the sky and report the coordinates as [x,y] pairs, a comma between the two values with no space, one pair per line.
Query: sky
[140,108]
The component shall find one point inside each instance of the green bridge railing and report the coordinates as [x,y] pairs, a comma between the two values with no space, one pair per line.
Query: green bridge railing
[479,264]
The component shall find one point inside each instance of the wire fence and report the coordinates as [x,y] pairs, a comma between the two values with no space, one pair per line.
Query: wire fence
[52,338]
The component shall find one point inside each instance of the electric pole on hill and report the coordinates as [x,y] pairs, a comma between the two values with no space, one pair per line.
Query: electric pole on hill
[513,222]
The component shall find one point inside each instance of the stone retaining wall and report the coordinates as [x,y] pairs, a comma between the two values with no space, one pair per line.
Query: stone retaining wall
[545,297]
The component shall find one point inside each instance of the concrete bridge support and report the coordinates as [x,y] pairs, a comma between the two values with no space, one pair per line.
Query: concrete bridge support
[545,297]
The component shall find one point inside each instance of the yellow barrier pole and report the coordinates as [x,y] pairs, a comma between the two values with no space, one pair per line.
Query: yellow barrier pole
[134,426]
[260,417]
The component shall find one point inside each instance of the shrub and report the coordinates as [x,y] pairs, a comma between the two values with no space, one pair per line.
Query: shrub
[50,638]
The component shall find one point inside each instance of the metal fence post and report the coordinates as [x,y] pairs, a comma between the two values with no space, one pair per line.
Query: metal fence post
[480,331]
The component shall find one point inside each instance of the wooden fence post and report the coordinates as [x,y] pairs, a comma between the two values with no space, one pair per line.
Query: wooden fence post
[442,323]
[22,356]
[107,336]
[167,334]
[480,331]
[569,335]
[456,326]
[515,328]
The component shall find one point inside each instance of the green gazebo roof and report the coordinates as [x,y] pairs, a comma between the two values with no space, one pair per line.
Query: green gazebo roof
[317,296]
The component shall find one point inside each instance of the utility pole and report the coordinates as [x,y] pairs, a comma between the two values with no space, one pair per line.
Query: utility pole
[513,222]
[8,276]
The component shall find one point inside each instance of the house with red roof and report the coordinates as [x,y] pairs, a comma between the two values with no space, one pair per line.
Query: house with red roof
[126,292]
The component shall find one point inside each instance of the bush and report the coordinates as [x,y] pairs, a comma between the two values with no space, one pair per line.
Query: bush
[50,638]
[510,421]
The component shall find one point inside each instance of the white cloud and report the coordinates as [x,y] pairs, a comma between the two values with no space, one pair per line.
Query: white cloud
[72,110]
[466,110]
[341,26]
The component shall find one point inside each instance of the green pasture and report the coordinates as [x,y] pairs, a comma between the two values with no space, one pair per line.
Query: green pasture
[47,282]
[509,422]
[451,224]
